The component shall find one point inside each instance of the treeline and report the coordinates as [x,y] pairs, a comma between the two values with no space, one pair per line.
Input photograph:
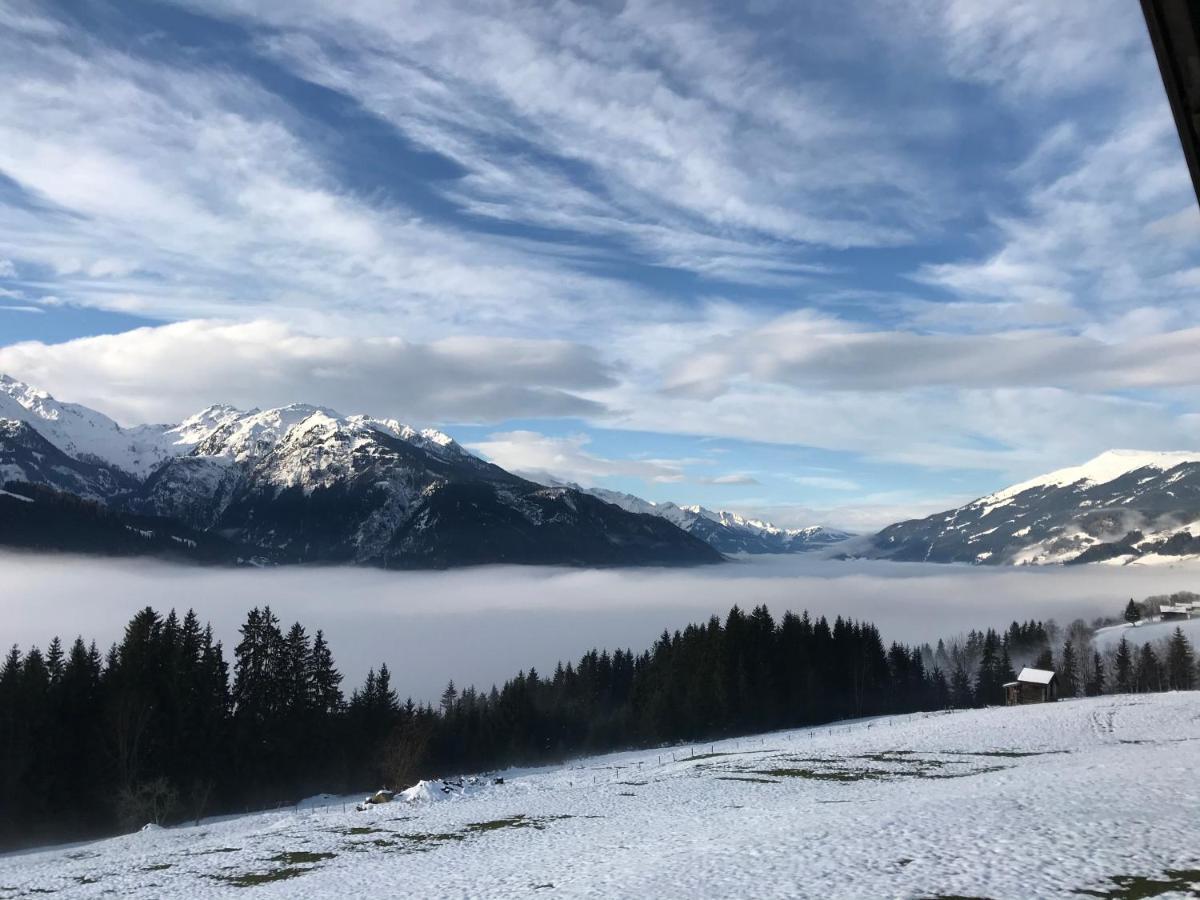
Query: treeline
[981,662]
[162,727]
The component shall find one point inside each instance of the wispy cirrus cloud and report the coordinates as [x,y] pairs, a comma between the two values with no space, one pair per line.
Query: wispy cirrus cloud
[945,234]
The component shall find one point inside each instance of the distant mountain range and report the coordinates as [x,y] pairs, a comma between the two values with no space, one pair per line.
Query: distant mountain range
[298,484]
[727,531]
[1124,506]
[303,484]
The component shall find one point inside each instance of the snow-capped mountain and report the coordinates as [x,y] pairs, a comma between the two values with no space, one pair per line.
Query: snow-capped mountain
[89,435]
[727,531]
[305,484]
[1123,506]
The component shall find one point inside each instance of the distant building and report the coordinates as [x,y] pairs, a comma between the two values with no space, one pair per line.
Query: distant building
[1032,686]
[1180,611]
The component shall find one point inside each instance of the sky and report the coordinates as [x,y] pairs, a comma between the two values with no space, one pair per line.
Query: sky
[482,625]
[841,263]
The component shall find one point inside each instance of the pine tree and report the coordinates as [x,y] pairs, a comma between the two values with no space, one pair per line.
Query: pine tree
[960,688]
[1068,672]
[1180,663]
[990,681]
[1095,684]
[324,678]
[1133,614]
[55,660]
[449,696]
[1124,665]
[1149,676]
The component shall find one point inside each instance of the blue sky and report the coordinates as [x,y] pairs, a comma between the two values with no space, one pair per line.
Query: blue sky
[817,262]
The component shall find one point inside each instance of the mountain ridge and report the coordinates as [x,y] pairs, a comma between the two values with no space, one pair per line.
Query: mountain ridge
[729,532]
[303,483]
[1120,507]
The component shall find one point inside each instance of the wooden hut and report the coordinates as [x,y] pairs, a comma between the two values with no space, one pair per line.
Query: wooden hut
[1032,686]
[1175,611]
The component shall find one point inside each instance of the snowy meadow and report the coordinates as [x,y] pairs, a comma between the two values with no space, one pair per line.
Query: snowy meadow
[481,625]
[1093,797]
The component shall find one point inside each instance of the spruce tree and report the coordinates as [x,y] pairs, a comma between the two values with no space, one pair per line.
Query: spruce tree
[1124,666]
[1068,672]
[960,688]
[1095,685]
[1180,663]
[1133,613]
[1149,676]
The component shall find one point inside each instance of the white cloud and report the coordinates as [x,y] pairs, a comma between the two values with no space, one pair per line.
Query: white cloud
[1025,49]
[202,195]
[807,350]
[1094,240]
[692,134]
[565,459]
[1015,432]
[730,478]
[168,372]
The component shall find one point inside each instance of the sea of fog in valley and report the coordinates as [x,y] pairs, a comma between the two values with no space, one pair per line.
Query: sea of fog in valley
[480,625]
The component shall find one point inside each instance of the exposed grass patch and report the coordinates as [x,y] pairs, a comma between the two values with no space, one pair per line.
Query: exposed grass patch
[217,850]
[634,783]
[517,821]
[905,757]
[1138,887]
[814,775]
[746,778]
[966,774]
[709,755]
[888,755]
[1006,754]
[430,837]
[86,879]
[253,879]
[300,857]
[364,829]
[156,867]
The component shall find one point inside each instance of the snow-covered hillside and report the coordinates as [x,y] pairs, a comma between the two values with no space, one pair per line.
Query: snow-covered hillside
[728,531]
[1124,506]
[1146,632]
[1093,795]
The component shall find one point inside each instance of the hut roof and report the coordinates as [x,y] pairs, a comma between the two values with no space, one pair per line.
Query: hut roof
[1035,676]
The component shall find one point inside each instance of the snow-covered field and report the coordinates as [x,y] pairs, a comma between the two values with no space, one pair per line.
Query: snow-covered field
[1146,632]
[1038,801]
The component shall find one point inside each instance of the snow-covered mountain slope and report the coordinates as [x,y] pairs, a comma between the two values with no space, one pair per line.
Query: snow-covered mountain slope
[1123,506]
[304,484]
[85,433]
[1050,801]
[727,531]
